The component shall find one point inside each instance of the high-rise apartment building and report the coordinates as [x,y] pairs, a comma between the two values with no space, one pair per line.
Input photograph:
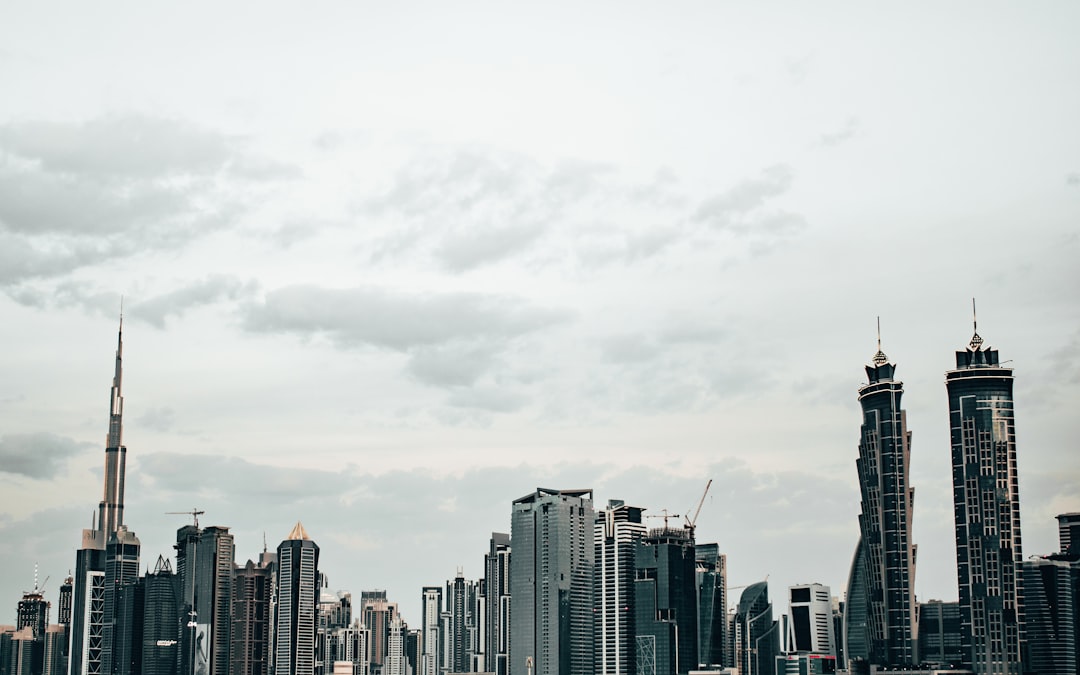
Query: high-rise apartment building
[616,534]
[712,605]
[497,604]
[461,632]
[551,583]
[253,590]
[431,637]
[89,646]
[377,613]
[881,588]
[297,598]
[986,503]
[810,628]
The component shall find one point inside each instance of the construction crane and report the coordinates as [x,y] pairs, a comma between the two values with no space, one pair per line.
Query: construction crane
[691,523]
[666,516]
[194,513]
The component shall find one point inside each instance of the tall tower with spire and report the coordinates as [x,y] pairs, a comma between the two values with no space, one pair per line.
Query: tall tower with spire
[881,609]
[986,503]
[111,509]
[102,554]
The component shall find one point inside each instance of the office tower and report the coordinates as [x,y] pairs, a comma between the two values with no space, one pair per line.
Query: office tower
[213,585]
[617,531]
[756,635]
[377,613]
[881,588]
[712,605]
[88,644]
[430,630]
[1050,585]
[21,653]
[63,617]
[665,601]
[55,650]
[939,633]
[297,596]
[187,548]
[987,510]
[121,571]
[1069,532]
[810,628]
[497,604]
[253,587]
[161,620]
[551,583]
[412,650]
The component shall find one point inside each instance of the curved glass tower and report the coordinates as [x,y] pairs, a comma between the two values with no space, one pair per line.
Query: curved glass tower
[881,608]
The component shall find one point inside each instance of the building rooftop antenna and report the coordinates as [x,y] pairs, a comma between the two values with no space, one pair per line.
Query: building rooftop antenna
[976,341]
[879,358]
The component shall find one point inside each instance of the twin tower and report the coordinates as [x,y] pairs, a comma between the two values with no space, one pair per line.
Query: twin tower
[881,613]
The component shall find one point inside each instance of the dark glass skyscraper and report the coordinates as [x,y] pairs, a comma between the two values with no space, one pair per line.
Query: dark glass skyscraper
[712,605]
[987,510]
[881,589]
[665,601]
[756,642]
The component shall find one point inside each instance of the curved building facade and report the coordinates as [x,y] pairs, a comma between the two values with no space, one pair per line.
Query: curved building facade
[882,627]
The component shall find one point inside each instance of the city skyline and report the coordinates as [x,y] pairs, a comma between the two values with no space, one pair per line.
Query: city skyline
[401,282]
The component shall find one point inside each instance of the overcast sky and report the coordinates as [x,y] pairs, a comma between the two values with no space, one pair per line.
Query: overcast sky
[388,266]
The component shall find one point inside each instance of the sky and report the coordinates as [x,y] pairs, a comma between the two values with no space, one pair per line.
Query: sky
[387,267]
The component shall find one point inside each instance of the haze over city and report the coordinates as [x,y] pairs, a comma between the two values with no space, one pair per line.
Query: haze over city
[386,269]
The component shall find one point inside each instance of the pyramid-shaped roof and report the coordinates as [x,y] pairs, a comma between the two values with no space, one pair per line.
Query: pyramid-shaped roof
[298,532]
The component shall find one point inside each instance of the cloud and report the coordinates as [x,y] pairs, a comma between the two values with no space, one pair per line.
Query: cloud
[175,303]
[455,364]
[132,146]
[158,419]
[38,456]
[463,251]
[234,478]
[1073,179]
[373,316]
[76,195]
[726,211]
[847,132]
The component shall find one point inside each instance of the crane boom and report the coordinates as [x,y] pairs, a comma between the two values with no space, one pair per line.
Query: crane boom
[194,513]
[692,522]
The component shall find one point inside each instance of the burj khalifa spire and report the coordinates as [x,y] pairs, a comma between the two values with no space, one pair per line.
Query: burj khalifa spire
[111,509]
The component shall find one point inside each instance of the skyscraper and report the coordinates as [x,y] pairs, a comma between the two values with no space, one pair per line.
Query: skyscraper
[297,597]
[987,509]
[497,603]
[665,601]
[881,588]
[756,642]
[712,605]
[811,626]
[377,614]
[551,583]
[431,630]
[161,620]
[253,587]
[121,572]
[1051,614]
[213,581]
[616,535]
[89,597]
